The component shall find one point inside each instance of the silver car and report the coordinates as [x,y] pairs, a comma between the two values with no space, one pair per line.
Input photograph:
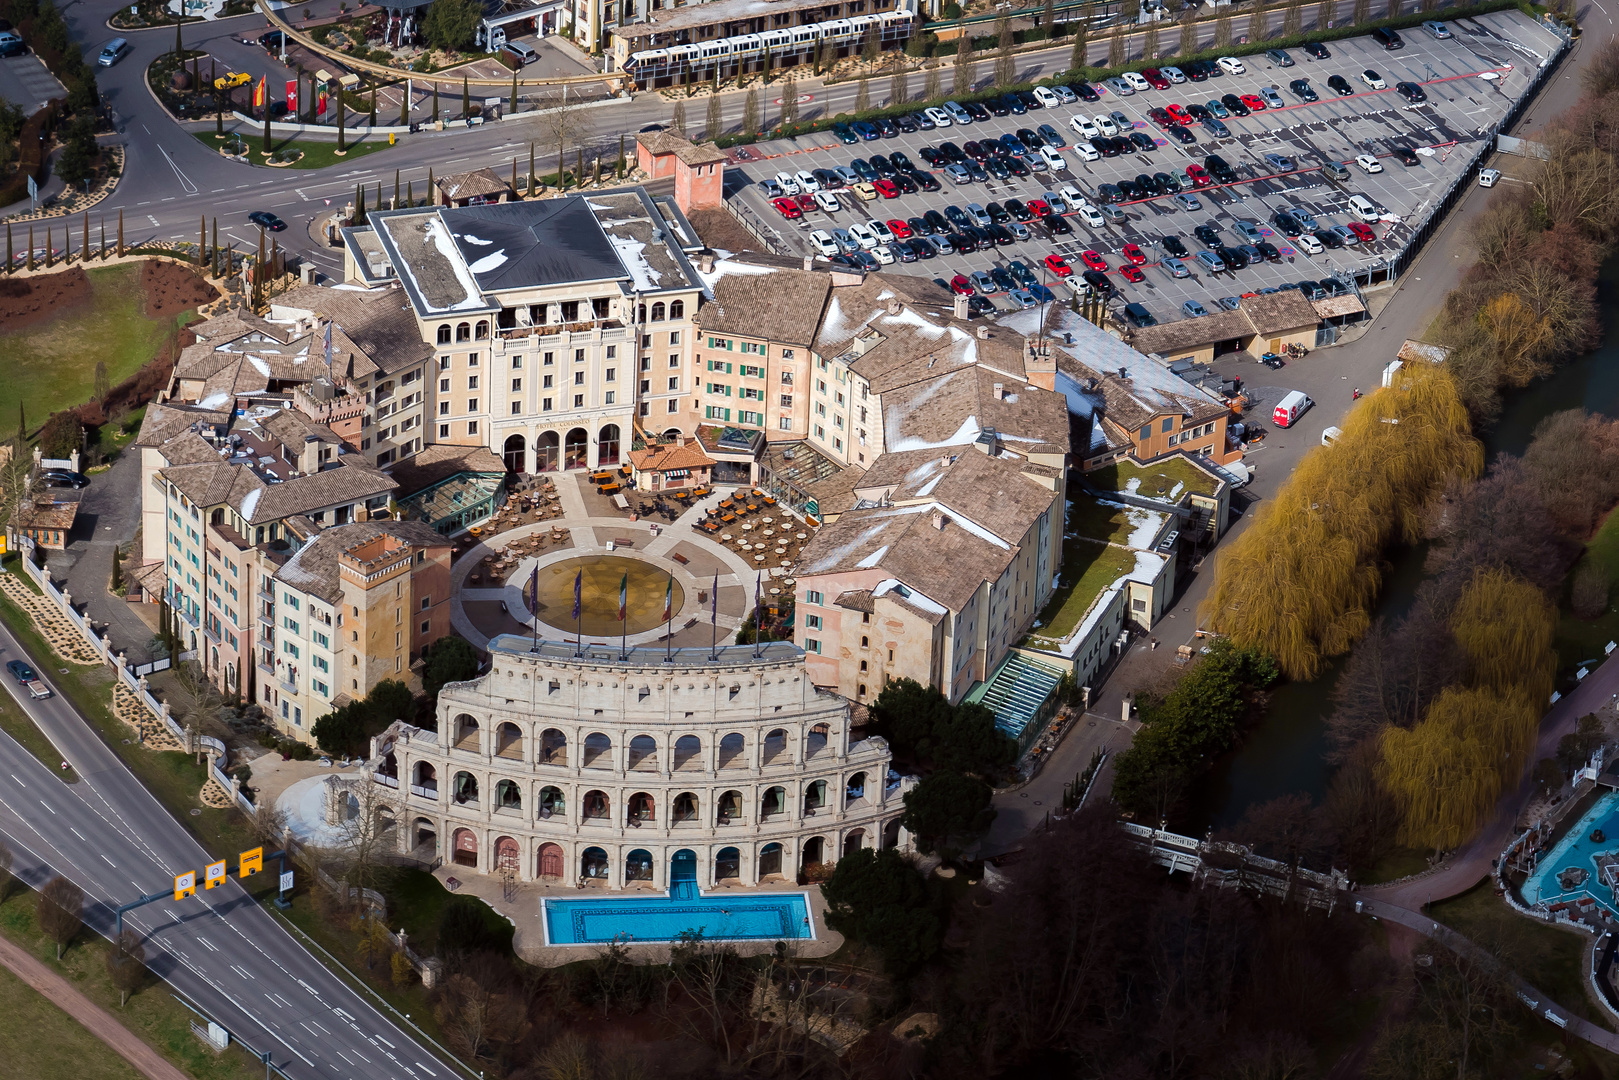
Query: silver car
[1175,267]
[1187,201]
[1279,162]
[1211,262]
[1249,231]
[1119,86]
[1272,97]
[845,240]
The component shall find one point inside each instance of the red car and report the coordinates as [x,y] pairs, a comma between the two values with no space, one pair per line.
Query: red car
[1179,114]
[1156,78]
[1134,253]
[1199,176]
[1133,274]
[886,188]
[805,202]
[1254,102]
[1038,207]
[961,286]
[1059,265]
[789,209]
[1161,117]
[900,230]
[1363,233]
[1094,261]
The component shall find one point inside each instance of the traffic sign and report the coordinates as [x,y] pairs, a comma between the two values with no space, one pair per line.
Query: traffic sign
[286,881]
[214,874]
[252,862]
[185,884]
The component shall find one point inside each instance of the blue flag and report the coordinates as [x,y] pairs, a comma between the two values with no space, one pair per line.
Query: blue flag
[578,592]
[714,601]
[533,598]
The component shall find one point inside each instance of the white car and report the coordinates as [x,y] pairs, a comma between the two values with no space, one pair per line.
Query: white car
[884,233]
[828,202]
[822,242]
[1368,211]
[1136,81]
[1085,126]
[1488,177]
[1106,126]
[863,236]
[1368,163]
[1072,195]
[1231,65]
[1373,79]
[1091,216]
[789,185]
[1310,244]
[806,181]
[1173,74]
[939,117]
[1046,96]
[883,255]
[1087,152]
[1053,160]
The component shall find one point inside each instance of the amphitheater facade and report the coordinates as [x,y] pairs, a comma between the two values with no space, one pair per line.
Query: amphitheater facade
[622,770]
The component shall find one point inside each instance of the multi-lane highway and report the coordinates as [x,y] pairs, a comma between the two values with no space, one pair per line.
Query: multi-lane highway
[219,948]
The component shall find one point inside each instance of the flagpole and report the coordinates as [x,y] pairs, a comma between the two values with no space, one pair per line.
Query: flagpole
[669,621]
[623,619]
[757,581]
[714,620]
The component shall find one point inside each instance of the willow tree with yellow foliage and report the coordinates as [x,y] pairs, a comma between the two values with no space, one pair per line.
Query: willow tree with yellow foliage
[1300,583]
[1447,772]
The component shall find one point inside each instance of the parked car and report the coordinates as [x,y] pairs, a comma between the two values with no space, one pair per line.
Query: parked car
[64,478]
[267,220]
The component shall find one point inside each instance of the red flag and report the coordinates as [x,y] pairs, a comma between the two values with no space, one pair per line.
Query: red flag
[259,92]
[292,97]
[320,104]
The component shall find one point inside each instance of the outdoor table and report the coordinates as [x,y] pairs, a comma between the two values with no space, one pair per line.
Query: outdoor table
[781,551]
[725,536]
[747,528]
[803,536]
[475,578]
[758,558]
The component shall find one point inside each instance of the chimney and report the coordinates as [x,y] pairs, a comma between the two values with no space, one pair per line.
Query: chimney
[939,520]
[983,333]
[962,310]
[705,262]
[894,306]
[1000,392]
[809,262]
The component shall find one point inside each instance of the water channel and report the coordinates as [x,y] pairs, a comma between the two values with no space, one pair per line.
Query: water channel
[1286,752]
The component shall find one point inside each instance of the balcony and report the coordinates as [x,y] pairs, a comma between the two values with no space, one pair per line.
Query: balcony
[386,781]
[426,791]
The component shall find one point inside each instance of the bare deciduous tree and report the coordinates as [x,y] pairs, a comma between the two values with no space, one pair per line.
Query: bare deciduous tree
[126,964]
[61,911]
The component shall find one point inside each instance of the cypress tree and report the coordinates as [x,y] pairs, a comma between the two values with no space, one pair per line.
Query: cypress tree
[466,98]
[342,125]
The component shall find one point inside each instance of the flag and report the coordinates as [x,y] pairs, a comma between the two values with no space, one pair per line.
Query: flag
[292,97]
[714,602]
[328,346]
[258,93]
[579,593]
[533,599]
[669,600]
[623,597]
[320,104]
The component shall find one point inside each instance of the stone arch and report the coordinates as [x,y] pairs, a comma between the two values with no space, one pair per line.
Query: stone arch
[509,741]
[658,312]
[732,749]
[553,803]
[643,752]
[508,796]
[546,448]
[685,807]
[596,804]
[727,864]
[638,865]
[729,810]
[464,733]
[642,807]
[816,740]
[553,747]
[855,789]
[515,453]
[576,449]
[677,309]
[465,848]
[774,743]
[891,833]
[773,804]
[770,860]
[549,863]
[853,841]
[463,331]
[814,796]
[508,854]
[814,853]
[389,765]
[593,863]
[688,748]
[424,831]
[607,445]
[464,791]
[424,779]
[672,433]
[597,746]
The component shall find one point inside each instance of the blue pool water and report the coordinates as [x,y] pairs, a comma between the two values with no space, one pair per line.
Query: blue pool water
[1578,849]
[731,917]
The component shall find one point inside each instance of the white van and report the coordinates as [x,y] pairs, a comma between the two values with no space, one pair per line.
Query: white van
[112,52]
[1365,209]
[1290,408]
[1331,435]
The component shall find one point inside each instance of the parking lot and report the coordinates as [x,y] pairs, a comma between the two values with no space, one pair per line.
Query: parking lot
[1471,81]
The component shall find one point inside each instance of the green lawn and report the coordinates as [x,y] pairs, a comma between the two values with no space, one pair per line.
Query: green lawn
[1110,524]
[15,722]
[1584,639]
[1549,958]
[318,153]
[1168,478]
[37,1040]
[1087,569]
[52,366]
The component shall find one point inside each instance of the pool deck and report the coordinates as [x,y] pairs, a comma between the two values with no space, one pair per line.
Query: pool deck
[524,912]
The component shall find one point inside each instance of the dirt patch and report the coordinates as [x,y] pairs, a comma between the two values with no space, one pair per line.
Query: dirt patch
[720,230]
[171,289]
[26,301]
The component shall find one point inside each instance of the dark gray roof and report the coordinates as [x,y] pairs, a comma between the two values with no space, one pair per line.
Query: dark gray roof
[521,245]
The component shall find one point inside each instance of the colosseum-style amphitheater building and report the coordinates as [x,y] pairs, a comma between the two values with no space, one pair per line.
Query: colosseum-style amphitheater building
[612,769]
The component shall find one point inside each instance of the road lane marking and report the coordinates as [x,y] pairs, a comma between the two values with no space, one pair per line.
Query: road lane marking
[206,943]
[272,1001]
[108,861]
[19,782]
[77,833]
[46,805]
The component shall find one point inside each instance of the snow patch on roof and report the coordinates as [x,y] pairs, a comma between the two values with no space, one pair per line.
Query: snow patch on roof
[909,595]
[874,559]
[489,262]
[631,252]
[478,240]
[258,364]
[965,435]
[214,401]
[724,267]
[437,235]
[250,502]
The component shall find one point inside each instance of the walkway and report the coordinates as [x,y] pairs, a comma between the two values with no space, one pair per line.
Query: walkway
[1472,863]
[1543,1006]
[98,1021]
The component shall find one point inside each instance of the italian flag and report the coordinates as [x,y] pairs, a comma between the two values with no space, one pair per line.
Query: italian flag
[623,597]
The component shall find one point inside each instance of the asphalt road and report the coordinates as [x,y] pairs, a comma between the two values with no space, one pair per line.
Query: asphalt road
[219,948]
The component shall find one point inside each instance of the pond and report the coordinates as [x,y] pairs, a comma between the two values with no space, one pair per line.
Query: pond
[1286,752]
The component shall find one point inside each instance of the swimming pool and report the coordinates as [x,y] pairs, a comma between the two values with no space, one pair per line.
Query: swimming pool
[733,917]
[1577,851]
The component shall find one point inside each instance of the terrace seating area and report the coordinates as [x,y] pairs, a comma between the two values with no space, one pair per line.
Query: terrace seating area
[497,566]
[752,524]
[527,503]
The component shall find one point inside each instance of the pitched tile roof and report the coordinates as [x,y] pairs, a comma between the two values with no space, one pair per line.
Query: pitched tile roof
[314,568]
[1279,312]
[777,304]
[440,461]
[469,185]
[659,143]
[670,456]
[946,565]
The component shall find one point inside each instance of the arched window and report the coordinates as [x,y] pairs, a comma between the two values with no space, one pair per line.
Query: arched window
[642,810]
[607,445]
[677,309]
[731,748]
[657,311]
[643,752]
[688,748]
[552,802]
[509,741]
[424,780]
[463,331]
[597,747]
[727,864]
[465,843]
[553,747]
[465,790]
[465,733]
[775,743]
[730,809]
[545,451]
[482,332]
[575,452]
[508,796]
[507,852]
[593,863]
[550,861]
[595,805]
[856,788]
[389,765]
[638,865]
[774,803]
[515,453]
[685,807]
[814,796]
[770,860]
[443,333]
[854,842]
